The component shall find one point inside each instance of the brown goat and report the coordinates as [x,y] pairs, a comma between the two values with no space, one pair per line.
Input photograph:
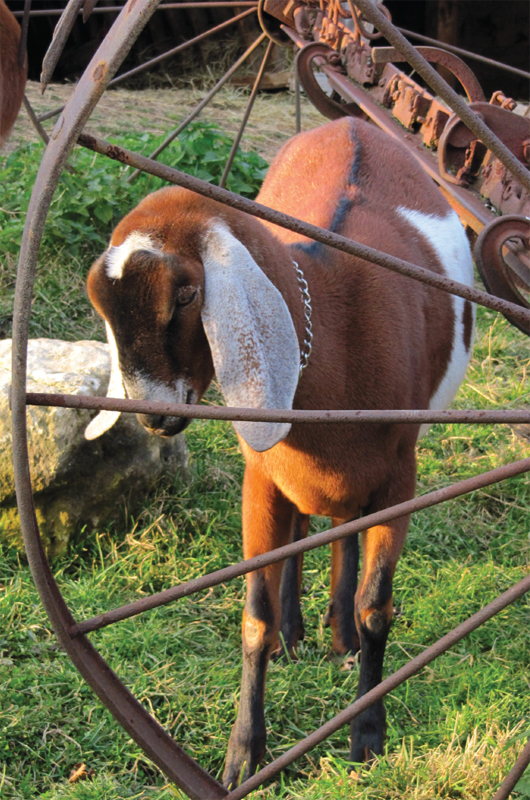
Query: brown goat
[12,75]
[189,287]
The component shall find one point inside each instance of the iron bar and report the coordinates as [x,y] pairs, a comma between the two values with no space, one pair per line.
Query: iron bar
[312,231]
[458,51]
[54,112]
[23,43]
[514,775]
[40,130]
[297,104]
[60,35]
[466,416]
[246,115]
[35,121]
[181,47]
[88,8]
[454,101]
[386,686]
[303,546]
[204,102]
[56,12]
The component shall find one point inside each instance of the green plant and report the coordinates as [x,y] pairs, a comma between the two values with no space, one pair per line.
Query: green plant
[88,203]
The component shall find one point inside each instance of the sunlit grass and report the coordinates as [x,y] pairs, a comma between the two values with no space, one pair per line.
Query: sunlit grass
[454,730]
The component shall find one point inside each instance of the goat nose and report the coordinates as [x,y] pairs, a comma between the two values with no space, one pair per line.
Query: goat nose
[154,422]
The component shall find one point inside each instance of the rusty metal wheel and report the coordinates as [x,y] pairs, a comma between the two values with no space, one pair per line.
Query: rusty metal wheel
[158,745]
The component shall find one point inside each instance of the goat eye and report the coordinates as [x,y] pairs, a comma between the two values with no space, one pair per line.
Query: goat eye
[185,297]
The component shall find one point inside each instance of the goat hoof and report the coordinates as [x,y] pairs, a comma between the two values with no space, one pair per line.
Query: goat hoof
[243,757]
[368,735]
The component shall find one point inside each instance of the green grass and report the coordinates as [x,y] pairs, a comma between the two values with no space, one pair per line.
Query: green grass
[454,730]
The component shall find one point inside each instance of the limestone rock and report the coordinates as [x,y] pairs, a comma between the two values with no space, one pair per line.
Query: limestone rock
[76,483]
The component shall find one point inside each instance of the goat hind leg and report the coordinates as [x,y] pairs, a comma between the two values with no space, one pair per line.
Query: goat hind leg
[381,547]
[292,623]
[341,610]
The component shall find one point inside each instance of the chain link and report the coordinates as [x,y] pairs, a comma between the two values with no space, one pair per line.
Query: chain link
[306,299]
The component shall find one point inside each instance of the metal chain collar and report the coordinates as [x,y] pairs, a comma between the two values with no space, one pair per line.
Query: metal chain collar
[306,299]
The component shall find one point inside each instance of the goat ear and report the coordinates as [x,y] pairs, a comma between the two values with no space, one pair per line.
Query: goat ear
[106,419]
[251,335]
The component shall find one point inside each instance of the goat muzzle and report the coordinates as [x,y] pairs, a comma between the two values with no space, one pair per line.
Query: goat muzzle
[163,426]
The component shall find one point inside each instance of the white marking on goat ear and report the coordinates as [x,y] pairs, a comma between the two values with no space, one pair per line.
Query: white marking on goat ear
[447,237]
[251,335]
[106,419]
[116,257]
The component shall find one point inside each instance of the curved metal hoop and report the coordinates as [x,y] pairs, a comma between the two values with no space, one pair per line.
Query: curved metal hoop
[359,19]
[272,27]
[323,53]
[498,277]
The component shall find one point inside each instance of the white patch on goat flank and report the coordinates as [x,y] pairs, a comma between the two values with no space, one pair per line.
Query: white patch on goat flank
[251,335]
[447,238]
[116,257]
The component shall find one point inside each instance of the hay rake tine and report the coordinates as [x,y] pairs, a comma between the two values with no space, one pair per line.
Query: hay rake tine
[35,121]
[246,115]
[88,8]
[40,130]
[204,102]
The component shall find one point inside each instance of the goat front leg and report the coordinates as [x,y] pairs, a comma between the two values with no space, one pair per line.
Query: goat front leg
[267,519]
[381,547]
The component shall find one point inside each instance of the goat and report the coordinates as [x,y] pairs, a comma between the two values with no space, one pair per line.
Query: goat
[12,75]
[189,286]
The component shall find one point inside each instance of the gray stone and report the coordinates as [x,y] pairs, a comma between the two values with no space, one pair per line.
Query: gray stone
[76,483]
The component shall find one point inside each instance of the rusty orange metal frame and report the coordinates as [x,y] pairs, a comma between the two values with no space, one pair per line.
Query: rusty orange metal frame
[154,740]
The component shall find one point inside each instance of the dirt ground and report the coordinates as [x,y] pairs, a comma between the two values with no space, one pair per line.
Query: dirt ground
[160,110]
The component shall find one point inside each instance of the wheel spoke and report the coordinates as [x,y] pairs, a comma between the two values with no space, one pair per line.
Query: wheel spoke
[246,115]
[204,102]
[182,47]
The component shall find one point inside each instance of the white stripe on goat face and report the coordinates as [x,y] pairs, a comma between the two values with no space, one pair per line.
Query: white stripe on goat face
[116,257]
[143,387]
